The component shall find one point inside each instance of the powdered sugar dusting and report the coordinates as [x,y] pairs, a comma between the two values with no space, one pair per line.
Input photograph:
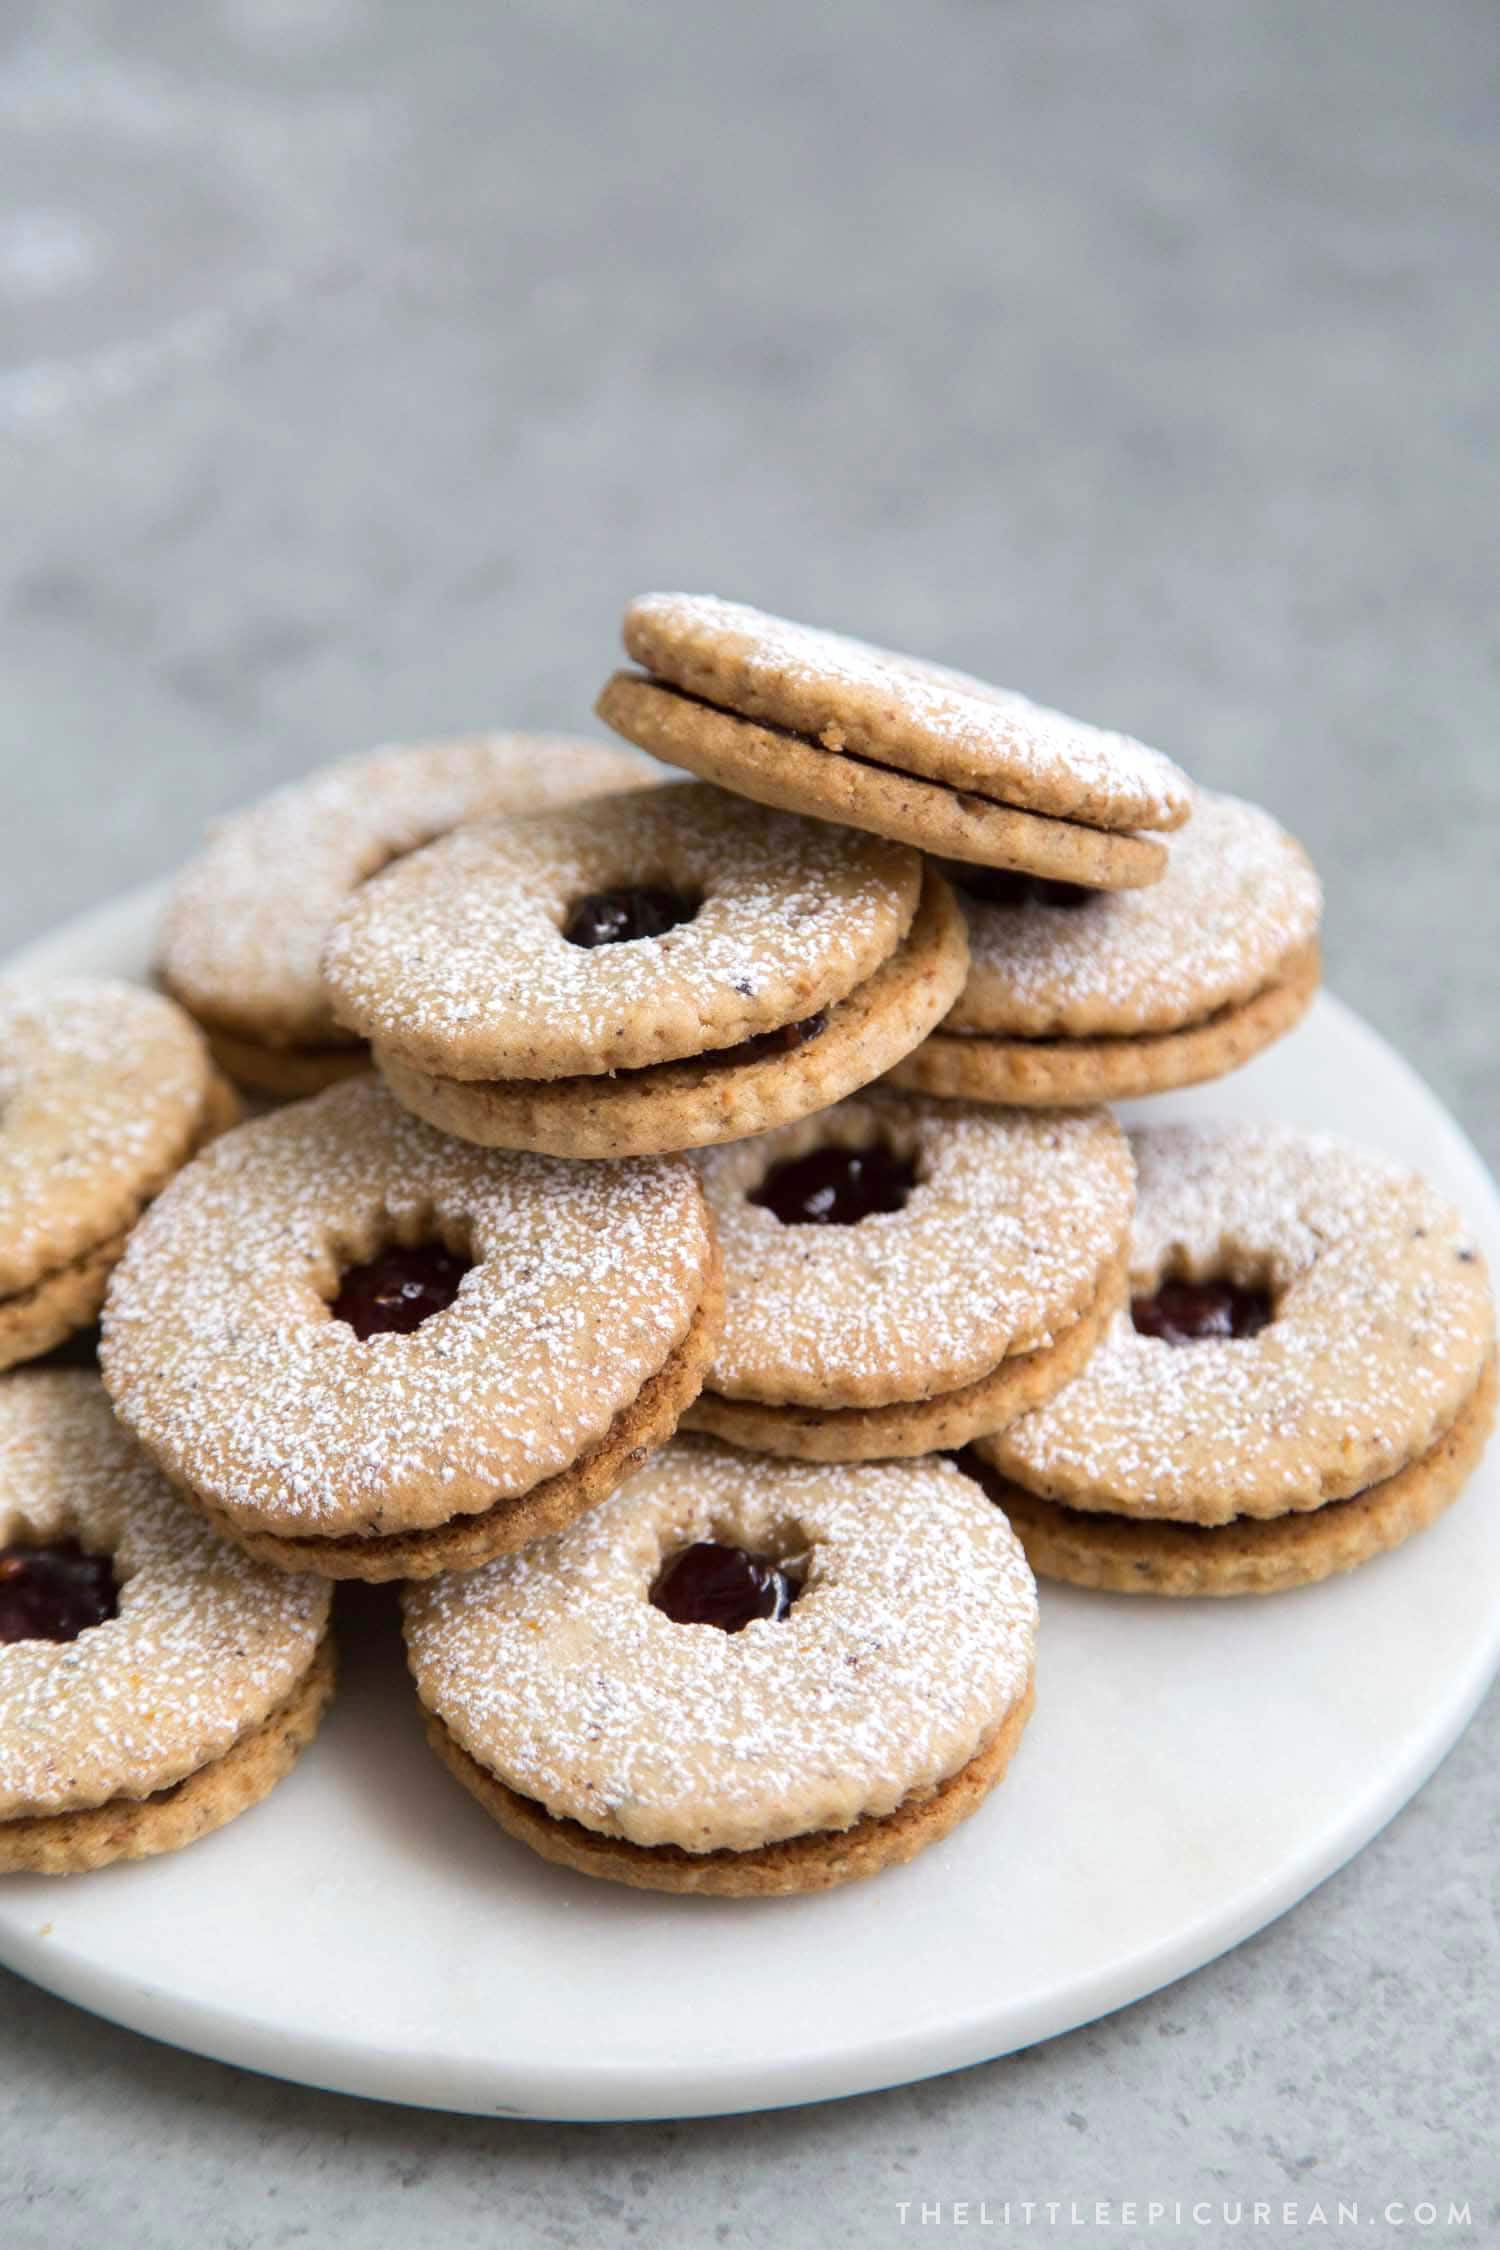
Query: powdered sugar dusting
[206,1643]
[455,961]
[220,1353]
[999,1246]
[247,920]
[1383,1319]
[1238,898]
[912,1640]
[923,717]
[102,1090]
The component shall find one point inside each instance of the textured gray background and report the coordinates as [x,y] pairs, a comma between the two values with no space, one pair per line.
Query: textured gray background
[360,358]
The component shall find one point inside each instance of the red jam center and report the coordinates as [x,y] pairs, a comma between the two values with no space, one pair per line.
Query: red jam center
[54,1593]
[784,1040]
[707,1584]
[398,1290]
[835,1187]
[615,917]
[1190,1312]
[1011,886]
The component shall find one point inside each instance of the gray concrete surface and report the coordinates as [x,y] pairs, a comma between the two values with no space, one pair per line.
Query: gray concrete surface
[360,358]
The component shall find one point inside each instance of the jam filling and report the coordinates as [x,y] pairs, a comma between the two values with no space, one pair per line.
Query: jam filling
[1189,1312]
[708,1584]
[54,1593]
[398,1290]
[835,1187]
[616,917]
[784,1040]
[1012,886]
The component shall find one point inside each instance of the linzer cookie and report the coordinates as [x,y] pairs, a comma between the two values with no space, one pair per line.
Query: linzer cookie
[816,723]
[903,1275]
[154,1682]
[644,973]
[370,1352]
[247,919]
[739,1676]
[1305,1375]
[1081,996]
[105,1090]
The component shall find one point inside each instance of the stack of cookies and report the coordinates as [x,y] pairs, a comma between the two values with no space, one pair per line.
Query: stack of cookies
[695,1262]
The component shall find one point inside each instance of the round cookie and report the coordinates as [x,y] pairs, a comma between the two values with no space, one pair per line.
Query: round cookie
[642,974]
[246,922]
[814,722]
[1252,1555]
[105,1091]
[150,1697]
[1310,1326]
[859,1704]
[902,1275]
[1078,996]
[370,1352]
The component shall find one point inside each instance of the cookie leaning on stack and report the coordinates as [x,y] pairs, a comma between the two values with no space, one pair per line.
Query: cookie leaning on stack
[645,973]
[818,723]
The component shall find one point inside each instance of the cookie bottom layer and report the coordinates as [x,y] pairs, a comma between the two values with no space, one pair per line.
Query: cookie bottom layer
[1249,1555]
[38,1319]
[819,1861]
[1060,1073]
[464,1542]
[283,1073]
[700,1102]
[796,774]
[72,1843]
[929,1425]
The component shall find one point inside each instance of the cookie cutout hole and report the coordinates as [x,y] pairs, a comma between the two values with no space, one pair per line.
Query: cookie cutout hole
[836,1187]
[53,1590]
[392,1293]
[1182,1310]
[1012,886]
[620,917]
[713,1583]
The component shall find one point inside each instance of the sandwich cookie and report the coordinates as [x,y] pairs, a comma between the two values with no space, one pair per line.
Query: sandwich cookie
[817,723]
[154,1681]
[370,1352]
[903,1275]
[1084,996]
[247,919]
[105,1091]
[644,973]
[1305,1375]
[739,1676]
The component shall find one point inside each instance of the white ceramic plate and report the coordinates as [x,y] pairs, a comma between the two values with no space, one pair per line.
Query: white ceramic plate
[1192,1770]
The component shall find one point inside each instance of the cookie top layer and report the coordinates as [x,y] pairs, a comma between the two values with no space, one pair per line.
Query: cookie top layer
[221,1355]
[103,1090]
[898,711]
[912,1639]
[1238,900]
[455,961]
[245,926]
[999,1246]
[1382,1322]
[204,1647]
